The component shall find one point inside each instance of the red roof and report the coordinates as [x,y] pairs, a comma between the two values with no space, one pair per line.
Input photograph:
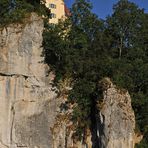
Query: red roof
[67,11]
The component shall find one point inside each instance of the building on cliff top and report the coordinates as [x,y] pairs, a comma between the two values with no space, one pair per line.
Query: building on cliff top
[58,10]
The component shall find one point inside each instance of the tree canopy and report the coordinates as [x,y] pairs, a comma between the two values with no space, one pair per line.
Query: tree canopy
[93,48]
[12,11]
[86,49]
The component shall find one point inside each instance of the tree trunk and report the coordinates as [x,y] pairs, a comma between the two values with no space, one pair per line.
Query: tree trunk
[120,47]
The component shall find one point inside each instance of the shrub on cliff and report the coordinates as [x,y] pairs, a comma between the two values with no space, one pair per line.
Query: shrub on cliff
[12,11]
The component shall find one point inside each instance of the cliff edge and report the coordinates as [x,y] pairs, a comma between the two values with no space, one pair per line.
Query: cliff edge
[115,119]
[26,97]
[31,115]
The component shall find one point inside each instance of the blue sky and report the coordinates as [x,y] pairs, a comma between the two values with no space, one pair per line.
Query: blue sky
[104,7]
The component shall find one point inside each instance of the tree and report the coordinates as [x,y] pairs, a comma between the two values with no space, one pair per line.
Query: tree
[123,25]
[69,53]
[12,5]
[127,29]
[84,19]
[12,11]
[91,49]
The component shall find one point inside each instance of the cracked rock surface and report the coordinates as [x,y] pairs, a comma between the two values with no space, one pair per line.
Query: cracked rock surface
[27,101]
[30,115]
[115,119]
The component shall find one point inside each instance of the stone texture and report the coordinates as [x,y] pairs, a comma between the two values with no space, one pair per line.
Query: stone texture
[31,114]
[27,100]
[113,125]
[20,48]
[64,129]
[116,122]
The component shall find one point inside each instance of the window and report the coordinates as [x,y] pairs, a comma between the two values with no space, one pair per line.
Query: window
[53,15]
[52,6]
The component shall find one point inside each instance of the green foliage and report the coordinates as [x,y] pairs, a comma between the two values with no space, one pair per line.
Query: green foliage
[143,143]
[88,49]
[17,11]
[123,26]
[127,28]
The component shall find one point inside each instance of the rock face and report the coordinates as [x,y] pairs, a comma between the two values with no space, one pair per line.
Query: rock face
[31,114]
[113,122]
[64,129]
[115,119]
[27,101]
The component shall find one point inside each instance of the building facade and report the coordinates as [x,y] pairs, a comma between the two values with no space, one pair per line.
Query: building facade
[57,8]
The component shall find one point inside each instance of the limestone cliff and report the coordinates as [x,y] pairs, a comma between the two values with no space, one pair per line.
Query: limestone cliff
[115,119]
[31,114]
[27,100]
[113,122]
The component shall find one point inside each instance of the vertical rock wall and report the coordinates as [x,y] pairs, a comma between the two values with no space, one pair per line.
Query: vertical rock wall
[31,114]
[27,101]
[115,119]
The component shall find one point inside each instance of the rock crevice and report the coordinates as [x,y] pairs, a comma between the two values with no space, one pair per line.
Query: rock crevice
[28,101]
[30,110]
[119,118]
